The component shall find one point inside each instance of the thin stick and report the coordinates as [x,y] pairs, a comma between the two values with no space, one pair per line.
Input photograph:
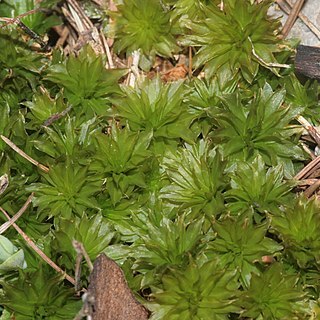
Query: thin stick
[308,169]
[190,62]
[38,251]
[308,151]
[107,50]
[312,130]
[25,28]
[310,190]
[24,155]
[9,223]
[78,246]
[306,182]
[31,33]
[56,116]
[77,272]
[87,308]
[292,17]
[81,252]
[13,20]
[303,17]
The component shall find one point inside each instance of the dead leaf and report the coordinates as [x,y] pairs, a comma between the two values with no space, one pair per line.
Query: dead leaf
[178,72]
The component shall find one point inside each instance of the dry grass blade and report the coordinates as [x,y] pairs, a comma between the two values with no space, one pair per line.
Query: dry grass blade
[24,155]
[134,74]
[265,63]
[4,182]
[9,223]
[104,41]
[83,31]
[33,246]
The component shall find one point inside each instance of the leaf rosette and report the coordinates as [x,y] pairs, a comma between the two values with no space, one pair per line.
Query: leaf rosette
[259,126]
[274,295]
[240,245]
[298,226]
[198,292]
[144,25]
[237,39]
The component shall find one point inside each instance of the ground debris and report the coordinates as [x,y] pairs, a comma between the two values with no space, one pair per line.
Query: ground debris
[110,295]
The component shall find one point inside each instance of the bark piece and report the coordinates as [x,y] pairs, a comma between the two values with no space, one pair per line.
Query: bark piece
[307,61]
[112,298]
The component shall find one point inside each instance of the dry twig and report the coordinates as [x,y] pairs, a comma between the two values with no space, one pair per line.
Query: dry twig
[42,255]
[190,63]
[11,221]
[304,19]
[308,169]
[81,252]
[292,17]
[24,155]
[312,130]
[312,188]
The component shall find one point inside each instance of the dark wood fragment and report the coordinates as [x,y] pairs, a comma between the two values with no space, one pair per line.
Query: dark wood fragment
[307,61]
[111,297]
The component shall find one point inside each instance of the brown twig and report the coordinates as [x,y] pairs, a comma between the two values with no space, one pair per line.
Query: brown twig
[13,20]
[286,8]
[80,18]
[308,151]
[306,182]
[310,190]
[11,221]
[81,252]
[308,169]
[24,155]
[77,272]
[63,33]
[292,17]
[190,62]
[56,117]
[312,130]
[42,255]
[80,22]
[78,246]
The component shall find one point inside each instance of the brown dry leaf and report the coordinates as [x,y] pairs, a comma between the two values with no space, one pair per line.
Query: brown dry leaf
[178,72]
[112,298]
